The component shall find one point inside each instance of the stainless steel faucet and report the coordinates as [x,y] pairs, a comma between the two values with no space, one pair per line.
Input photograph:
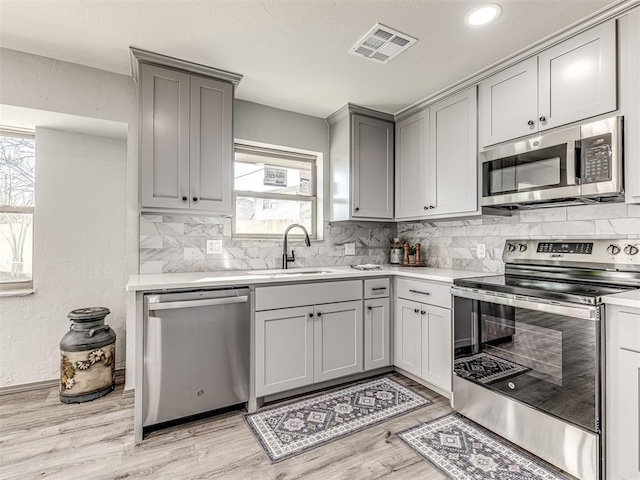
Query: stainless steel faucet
[285,257]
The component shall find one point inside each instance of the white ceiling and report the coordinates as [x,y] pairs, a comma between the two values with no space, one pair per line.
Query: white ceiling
[293,54]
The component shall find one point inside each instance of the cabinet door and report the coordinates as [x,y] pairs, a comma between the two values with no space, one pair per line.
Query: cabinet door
[509,103]
[377,334]
[284,350]
[412,135]
[372,160]
[164,142]
[577,78]
[408,351]
[338,340]
[436,346]
[453,155]
[211,138]
[627,430]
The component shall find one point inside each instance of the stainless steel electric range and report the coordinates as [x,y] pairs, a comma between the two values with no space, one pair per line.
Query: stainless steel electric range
[529,346]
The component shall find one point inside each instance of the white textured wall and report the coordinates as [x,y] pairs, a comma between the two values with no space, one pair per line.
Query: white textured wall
[79,251]
[45,84]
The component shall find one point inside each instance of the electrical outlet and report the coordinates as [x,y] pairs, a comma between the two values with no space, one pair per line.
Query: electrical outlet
[481,250]
[349,248]
[214,247]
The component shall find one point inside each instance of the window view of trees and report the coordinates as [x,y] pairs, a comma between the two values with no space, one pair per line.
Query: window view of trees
[17,192]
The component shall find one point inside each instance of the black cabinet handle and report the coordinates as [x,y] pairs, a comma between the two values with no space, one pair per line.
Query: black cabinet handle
[432,206]
[426,208]
[530,123]
[311,315]
[195,199]
[319,314]
[357,209]
[415,310]
[422,312]
[184,199]
[369,308]
[543,118]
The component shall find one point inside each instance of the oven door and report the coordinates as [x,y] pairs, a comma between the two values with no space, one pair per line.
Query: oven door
[546,356]
[531,171]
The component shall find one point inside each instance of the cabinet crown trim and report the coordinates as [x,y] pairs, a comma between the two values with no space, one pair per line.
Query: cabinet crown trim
[139,56]
[352,108]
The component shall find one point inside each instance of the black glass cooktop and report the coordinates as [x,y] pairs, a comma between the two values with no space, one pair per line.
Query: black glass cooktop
[576,292]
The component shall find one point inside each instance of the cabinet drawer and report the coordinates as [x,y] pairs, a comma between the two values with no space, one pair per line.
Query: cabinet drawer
[285,296]
[629,331]
[424,292]
[376,288]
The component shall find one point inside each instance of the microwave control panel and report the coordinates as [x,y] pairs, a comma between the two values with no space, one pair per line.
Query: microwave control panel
[597,158]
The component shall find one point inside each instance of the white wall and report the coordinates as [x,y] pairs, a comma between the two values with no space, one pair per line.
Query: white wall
[44,84]
[79,252]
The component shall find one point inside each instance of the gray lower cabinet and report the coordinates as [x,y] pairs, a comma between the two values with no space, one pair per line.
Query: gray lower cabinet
[377,333]
[284,349]
[338,340]
[186,140]
[297,344]
[423,331]
[623,393]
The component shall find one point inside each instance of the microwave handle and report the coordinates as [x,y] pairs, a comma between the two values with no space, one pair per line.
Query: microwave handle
[574,162]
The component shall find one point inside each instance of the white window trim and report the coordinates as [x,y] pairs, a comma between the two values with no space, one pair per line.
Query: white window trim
[277,153]
[24,287]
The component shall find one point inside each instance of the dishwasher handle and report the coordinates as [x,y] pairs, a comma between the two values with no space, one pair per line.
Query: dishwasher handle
[197,303]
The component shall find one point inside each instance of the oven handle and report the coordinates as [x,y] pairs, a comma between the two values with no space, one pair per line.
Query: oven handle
[569,310]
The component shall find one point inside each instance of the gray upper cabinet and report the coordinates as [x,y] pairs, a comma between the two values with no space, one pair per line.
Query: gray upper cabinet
[436,160]
[186,134]
[509,103]
[164,143]
[412,148]
[566,83]
[361,157]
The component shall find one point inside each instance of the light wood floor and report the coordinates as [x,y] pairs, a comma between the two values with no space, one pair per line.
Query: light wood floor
[43,438]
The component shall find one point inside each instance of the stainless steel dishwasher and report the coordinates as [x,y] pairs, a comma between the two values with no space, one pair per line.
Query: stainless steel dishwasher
[196,353]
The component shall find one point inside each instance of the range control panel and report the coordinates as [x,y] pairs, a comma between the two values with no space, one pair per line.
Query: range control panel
[565,247]
[601,251]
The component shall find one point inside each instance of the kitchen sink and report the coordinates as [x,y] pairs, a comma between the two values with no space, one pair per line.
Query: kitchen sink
[289,273]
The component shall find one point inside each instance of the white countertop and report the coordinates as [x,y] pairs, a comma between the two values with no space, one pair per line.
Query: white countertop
[625,299]
[167,281]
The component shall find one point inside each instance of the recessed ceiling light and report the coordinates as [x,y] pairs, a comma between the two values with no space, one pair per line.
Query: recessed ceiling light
[483,15]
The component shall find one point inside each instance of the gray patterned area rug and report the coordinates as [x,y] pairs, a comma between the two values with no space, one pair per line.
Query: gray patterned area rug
[298,426]
[465,451]
[485,368]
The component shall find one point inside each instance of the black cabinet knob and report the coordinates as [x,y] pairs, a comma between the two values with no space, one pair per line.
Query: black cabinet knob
[184,199]
[543,118]
[357,209]
[415,310]
[426,208]
[319,314]
[195,199]
[369,308]
[432,207]
[422,312]
[311,315]
[531,123]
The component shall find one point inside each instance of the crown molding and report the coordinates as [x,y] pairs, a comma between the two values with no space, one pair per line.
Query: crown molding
[139,56]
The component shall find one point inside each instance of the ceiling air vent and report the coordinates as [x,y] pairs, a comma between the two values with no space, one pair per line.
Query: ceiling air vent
[382,44]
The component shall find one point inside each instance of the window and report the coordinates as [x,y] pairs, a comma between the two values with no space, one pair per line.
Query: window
[17,189]
[272,190]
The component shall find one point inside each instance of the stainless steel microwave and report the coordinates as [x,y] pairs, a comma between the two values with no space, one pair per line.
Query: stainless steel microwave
[581,164]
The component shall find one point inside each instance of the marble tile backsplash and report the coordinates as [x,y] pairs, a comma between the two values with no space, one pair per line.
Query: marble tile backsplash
[453,244]
[171,243]
[178,243]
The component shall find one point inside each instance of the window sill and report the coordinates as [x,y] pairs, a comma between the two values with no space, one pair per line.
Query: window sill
[17,293]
